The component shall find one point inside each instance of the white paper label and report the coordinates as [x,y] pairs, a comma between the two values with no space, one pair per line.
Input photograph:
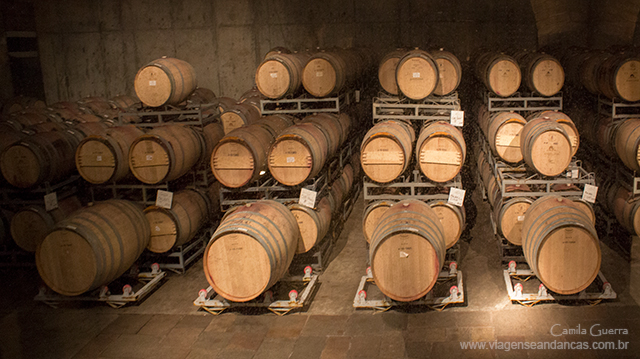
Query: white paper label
[404,254]
[520,218]
[291,159]
[457,118]
[307,198]
[274,75]
[51,201]
[157,229]
[574,173]
[357,95]
[319,73]
[152,83]
[416,75]
[589,193]
[456,196]
[164,199]
[99,158]
[149,157]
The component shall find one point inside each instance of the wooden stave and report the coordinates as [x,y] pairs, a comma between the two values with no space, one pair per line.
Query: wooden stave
[565,121]
[440,129]
[484,65]
[531,132]
[332,128]
[528,64]
[401,133]
[389,226]
[131,240]
[294,65]
[544,217]
[20,103]
[400,78]
[620,202]
[459,213]
[376,208]
[442,55]
[492,124]
[288,236]
[238,115]
[607,75]
[387,71]
[626,142]
[321,218]
[176,94]
[337,63]
[500,211]
[489,181]
[276,123]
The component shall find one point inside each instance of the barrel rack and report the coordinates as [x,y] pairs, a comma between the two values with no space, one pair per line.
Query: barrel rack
[152,117]
[35,196]
[387,107]
[618,109]
[414,185]
[178,259]
[290,293]
[138,286]
[307,104]
[442,295]
[516,279]
[518,102]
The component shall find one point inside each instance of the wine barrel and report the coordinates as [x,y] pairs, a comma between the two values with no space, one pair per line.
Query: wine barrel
[92,247]
[489,181]
[335,130]
[251,250]
[8,138]
[502,130]
[627,143]
[165,153]
[201,96]
[509,215]
[312,223]
[165,81]
[98,106]
[590,71]
[500,73]
[47,156]
[330,72]
[241,156]
[449,72]
[417,74]
[560,245]
[101,159]
[542,73]
[565,122]
[237,116]
[372,215]
[586,208]
[545,146]
[624,207]
[387,71]
[176,226]
[440,151]
[386,150]
[125,102]
[30,225]
[280,74]
[619,78]
[20,103]
[407,250]
[44,127]
[21,121]
[299,153]
[225,103]
[211,134]
[453,219]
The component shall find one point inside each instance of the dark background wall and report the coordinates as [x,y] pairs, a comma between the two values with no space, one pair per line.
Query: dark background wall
[96,47]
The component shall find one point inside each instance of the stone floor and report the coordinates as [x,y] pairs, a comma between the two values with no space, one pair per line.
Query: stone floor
[167,325]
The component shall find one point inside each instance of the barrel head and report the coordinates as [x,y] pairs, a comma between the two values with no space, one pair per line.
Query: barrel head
[272,79]
[164,232]
[149,161]
[232,164]
[152,86]
[96,161]
[20,166]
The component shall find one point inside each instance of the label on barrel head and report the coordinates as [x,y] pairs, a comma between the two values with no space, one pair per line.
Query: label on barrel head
[152,83]
[149,157]
[416,75]
[51,201]
[456,196]
[164,199]
[441,157]
[274,75]
[98,158]
[319,73]
[457,118]
[589,193]
[307,198]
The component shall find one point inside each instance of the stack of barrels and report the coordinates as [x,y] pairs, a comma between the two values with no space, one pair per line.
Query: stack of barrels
[502,74]
[323,73]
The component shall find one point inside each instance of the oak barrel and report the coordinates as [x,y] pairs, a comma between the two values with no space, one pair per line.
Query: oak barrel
[407,250]
[564,121]
[328,72]
[165,81]
[386,150]
[387,71]
[542,73]
[500,73]
[440,151]
[627,143]
[238,115]
[101,159]
[92,247]
[280,74]
[624,206]
[560,245]
[313,223]
[509,216]
[453,219]
[251,250]
[545,146]
[417,74]
[489,182]
[502,130]
[449,72]
[176,226]
[165,153]
[372,215]
[30,225]
[619,78]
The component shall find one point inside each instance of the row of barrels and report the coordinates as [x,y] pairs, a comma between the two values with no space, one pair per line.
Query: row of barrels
[503,74]
[417,74]
[387,150]
[612,75]
[254,244]
[323,73]
[545,140]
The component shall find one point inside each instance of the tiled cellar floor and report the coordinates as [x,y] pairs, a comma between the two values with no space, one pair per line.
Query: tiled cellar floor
[167,325]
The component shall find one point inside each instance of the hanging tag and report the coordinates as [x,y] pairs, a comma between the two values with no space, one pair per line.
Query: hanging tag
[51,201]
[457,118]
[589,194]
[164,199]
[456,196]
[307,198]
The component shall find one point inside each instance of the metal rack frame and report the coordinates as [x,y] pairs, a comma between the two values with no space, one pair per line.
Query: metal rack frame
[431,108]
[147,193]
[35,196]
[178,259]
[213,303]
[148,280]
[517,294]
[618,109]
[456,293]
[414,185]
[304,104]
[187,116]
[522,103]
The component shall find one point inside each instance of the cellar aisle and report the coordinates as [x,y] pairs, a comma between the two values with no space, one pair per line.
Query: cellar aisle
[167,325]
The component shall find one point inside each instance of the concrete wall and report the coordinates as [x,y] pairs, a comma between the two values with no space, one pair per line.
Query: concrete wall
[96,47]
